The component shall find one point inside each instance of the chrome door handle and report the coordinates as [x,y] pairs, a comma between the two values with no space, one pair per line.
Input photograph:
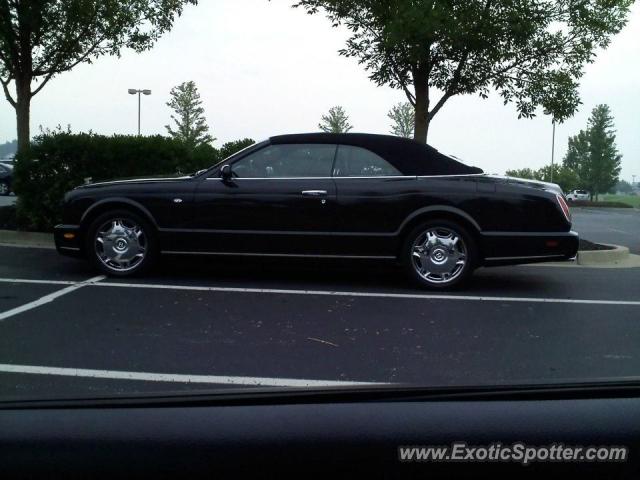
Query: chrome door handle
[314,193]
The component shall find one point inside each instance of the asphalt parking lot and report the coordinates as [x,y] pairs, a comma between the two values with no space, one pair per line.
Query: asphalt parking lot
[620,226]
[194,323]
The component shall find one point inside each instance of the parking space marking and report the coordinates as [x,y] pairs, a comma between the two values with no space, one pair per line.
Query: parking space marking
[177,378]
[41,282]
[50,297]
[417,296]
[96,282]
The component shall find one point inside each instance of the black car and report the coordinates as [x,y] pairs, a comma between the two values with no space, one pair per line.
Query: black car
[324,195]
[6,178]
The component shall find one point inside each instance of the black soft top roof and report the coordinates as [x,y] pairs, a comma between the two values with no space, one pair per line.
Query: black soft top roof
[408,156]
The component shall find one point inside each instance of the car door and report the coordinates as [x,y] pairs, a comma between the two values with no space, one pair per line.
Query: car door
[279,200]
[373,199]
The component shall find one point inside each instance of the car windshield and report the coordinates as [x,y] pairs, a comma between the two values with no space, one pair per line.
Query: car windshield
[226,195]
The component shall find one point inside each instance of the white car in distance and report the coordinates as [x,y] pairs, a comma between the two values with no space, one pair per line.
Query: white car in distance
[574,195]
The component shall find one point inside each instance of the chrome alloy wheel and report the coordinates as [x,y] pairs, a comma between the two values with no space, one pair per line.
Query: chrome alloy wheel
[439,255]
[120,244]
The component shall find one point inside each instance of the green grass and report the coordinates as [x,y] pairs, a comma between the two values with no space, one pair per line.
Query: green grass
[630,199]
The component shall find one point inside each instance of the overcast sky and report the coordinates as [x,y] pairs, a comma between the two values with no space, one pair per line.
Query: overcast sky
[263,68]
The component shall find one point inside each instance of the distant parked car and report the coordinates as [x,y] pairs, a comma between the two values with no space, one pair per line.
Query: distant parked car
[574,195]
[6,177]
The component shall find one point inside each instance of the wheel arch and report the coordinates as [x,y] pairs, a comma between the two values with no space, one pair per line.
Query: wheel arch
[444,212]
[115,203]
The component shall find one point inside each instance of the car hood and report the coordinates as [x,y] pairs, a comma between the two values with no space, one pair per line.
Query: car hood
[137,180]
[526,182]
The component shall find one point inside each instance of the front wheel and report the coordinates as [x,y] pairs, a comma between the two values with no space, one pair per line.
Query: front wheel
[4,189]
[121,243]
[439,254]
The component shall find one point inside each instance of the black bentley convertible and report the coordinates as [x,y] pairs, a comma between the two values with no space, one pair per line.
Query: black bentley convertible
[324,195]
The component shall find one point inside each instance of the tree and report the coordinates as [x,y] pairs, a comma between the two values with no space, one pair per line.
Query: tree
[235,146]
[601,169]
[577,151]
[521,173]
[532,52]
[336,121]
[42,38]
[623,187]
[403,118]
[592,153]
[565,177]
[191,125]
[562,175]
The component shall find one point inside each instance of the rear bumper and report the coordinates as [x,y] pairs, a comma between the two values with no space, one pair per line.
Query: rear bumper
[511,248]
[67,240]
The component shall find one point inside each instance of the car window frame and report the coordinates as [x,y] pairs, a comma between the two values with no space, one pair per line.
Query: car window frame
[335,160]
[267,145]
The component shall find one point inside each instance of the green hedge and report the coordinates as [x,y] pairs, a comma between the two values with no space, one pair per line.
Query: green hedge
[59,161]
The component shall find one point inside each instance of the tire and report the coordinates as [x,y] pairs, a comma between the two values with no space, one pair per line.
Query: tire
[4,189]
[128,244]
[447,262]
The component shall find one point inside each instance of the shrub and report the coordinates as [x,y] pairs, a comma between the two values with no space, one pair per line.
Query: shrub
[8,218]
[59,161]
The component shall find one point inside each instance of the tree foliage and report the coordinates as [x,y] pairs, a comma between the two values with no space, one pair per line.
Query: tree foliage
[40,39]
[190,122]
[592,161]
[623,187]
[336,121]
[562,175]
[402,118]
[593,153]
[532,52]
[229,148]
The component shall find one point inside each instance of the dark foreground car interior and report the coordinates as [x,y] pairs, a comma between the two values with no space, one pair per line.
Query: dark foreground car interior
[324,195]
[354,433]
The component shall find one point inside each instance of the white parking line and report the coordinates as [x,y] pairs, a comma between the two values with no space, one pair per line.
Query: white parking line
[417,296]
[338,293]
[177,378]
[45,282]
[47,298]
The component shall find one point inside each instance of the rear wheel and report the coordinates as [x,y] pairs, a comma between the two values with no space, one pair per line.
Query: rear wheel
[439,254]
[121,243]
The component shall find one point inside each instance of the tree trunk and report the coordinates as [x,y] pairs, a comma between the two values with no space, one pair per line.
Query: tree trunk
[23,107]
[421,88]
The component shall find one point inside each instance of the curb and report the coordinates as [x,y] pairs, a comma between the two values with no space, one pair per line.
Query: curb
[601,257]
[13,238]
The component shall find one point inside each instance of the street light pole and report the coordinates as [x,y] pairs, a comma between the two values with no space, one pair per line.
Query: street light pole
[133,91]
[553,145]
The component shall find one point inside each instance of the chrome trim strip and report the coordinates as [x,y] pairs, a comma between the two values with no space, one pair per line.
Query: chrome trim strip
[375,177]
[276,232]
[525,258]
[134,180]
[75,249]
[529,234]
[298,255]
[383,177]
[454,175]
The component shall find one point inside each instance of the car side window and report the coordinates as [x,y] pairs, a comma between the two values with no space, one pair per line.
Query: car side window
[287,161]
[359,162]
